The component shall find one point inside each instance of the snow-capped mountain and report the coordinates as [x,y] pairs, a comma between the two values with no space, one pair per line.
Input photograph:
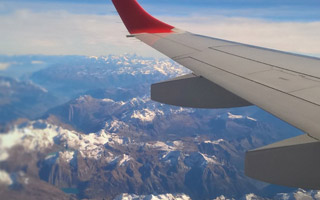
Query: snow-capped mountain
[66,158]
[62,156]
[153,197]
[92,132]
[39,83]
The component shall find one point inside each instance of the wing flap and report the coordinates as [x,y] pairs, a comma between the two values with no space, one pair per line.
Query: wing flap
[195,92]
[293,162]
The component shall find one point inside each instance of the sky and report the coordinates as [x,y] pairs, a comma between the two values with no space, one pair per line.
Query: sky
[92,27]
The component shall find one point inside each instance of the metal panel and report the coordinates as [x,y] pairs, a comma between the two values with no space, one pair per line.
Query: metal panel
[229,63]
[196,41]
[302,64]
[167,47]
[149,39]
[293,162]
[296,111]
[310,94]
[284,81]
[195,92]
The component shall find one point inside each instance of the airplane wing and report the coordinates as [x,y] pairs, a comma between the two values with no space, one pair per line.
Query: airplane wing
[230,74]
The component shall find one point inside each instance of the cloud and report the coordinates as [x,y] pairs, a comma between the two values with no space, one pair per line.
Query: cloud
[4,66]
[298,37]
[61,33]
[37,62]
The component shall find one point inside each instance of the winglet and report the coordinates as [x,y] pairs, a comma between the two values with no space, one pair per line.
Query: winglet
[137,20]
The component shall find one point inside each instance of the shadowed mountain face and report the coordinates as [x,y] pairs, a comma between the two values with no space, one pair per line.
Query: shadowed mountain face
[92,132]
[31,85]
[22,99]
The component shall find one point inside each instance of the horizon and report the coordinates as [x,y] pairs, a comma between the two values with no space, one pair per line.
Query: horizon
[85,27]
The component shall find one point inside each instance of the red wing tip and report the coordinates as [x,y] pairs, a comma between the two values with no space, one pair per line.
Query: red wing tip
[137,20]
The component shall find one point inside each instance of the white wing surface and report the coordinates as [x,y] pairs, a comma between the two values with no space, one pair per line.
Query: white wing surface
[231,74]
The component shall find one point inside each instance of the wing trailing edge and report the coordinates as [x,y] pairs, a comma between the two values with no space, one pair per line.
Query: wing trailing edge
[137,20]
[293,162]
[195,92]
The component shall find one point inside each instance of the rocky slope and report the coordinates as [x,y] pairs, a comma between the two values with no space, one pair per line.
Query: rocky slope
[22,99]
[106,164]
[109,140]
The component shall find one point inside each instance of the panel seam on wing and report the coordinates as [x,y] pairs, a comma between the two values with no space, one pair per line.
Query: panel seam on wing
[257,61]
[254,81]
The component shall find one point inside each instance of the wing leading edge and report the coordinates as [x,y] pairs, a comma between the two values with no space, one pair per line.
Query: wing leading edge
[284,84]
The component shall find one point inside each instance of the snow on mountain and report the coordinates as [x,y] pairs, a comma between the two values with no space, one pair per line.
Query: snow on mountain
[31,139]
[222,197]
[245,197]
[149,110]
[200,159]
[37,86]
[252,197]
[67,155]
[39,135]
[171,157]
[138,101]
[252,119]
[90,145]
[216,142]
[169,146]
[182,110]
[124,160]
[145,115]
[120,160]
[300,194]
[142,158]
[153,197]
[115,125]
[209,159]
[5,178]
[232,116]
[127,64]
[93,57]
[108,100]
[4,155]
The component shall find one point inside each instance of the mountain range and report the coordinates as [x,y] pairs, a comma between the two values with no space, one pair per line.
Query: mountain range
[78,127]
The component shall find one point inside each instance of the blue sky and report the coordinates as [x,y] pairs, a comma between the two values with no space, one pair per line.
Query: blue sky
[297,10]
[93,26]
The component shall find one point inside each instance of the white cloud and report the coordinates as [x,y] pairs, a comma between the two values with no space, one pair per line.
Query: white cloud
[26,32]
[4,66]
[299,37]
[5,178]
[59,32]
[37,62]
